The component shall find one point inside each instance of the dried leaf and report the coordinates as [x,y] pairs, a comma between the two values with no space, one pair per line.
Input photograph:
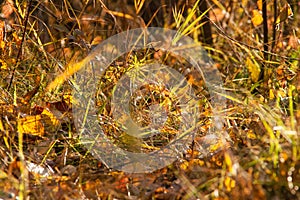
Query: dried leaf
[49,120]
[3,175]
[217,15]
[229,183]
[3,65]
[184,165]
[259,4]
[7,9]
[257,18]
[31,125]
[1,126]
[253,68]
[294,42]
[29,95]
[228,162]
[285,13]
[96,41]
[38,170]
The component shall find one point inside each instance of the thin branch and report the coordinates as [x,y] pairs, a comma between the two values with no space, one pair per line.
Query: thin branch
[274,25]
[265,27]
[21,45]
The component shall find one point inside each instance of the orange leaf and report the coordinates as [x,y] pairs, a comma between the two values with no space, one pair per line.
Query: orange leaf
[7,9]
[259,4]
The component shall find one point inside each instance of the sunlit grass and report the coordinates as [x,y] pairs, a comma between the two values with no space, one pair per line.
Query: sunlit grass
[261,155]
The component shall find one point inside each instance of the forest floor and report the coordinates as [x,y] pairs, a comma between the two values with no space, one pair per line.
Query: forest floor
[247,149]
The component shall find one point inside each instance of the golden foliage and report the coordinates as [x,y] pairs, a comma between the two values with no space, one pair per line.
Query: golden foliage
[31,125]
[253,68]
[257,18]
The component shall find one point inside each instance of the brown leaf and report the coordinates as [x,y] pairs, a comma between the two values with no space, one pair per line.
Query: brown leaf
[285,13]
[7,9]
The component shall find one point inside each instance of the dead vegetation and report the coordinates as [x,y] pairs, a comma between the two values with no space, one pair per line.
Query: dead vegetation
[41,152]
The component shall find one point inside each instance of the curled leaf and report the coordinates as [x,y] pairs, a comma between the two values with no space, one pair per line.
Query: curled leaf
[285,13]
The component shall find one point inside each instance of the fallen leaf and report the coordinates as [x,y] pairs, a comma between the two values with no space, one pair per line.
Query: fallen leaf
[51,123]
[257,18]
[31,125]
[38,170]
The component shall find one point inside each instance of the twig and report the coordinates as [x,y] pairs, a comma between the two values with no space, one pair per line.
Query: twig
[21,45]
[265,27]
[207,33]
[274,25]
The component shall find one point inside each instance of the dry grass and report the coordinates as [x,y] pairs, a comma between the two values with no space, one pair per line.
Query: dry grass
[41,151]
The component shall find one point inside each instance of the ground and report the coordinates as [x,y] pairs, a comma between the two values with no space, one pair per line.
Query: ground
[247,147]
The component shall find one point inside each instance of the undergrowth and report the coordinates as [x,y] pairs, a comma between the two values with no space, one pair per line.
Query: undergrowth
[43,44]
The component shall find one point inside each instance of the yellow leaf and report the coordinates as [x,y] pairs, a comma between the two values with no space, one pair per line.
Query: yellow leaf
[198,162]
[216,146]
[285,12]
[271,94]
[228,161]
[2,45]
[3,65]
[17,38]
[3,175]
[229,183]
[184,165]
[251,135]
[253,68]
[31,125]
[244,3]
[69,100]
[1,126]
[257,18]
